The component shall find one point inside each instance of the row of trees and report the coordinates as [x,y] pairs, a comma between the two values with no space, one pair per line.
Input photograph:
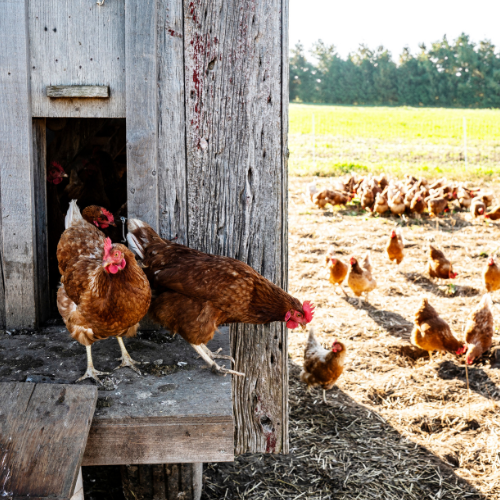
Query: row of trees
[458,74]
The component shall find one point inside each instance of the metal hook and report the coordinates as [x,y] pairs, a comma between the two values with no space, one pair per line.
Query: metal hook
[123,219]
[101,3]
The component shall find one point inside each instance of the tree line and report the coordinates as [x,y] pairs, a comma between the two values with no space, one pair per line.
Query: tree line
[458,74]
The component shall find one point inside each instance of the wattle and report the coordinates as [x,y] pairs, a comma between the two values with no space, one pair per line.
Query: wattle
[113,269]
[291,324]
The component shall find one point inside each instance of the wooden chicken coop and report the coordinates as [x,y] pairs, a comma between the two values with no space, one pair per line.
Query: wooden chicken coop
[189,100]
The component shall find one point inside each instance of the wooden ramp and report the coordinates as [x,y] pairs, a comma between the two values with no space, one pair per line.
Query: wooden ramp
[176,412]
[43,434]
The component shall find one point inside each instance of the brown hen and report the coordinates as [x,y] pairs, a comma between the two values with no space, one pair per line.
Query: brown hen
[479,330]
[322,366]
[103,293]
[432,333]
[197,292]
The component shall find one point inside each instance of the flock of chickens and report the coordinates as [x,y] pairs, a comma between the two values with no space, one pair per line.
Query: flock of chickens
[107,288]
[379,195]
[430,332]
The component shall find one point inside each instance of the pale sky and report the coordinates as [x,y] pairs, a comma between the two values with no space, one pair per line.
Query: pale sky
[392,23]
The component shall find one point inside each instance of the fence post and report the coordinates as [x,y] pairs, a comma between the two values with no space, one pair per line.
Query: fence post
[314,143]
[465,141]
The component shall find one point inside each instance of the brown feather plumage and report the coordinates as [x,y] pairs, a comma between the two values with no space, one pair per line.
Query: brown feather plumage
[198,292]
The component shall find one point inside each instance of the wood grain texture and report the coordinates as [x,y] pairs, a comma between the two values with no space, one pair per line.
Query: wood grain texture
[43,435]
[285,90]
[40,195]
[81,91]
[172,197]
[77,43]
[236,181]
[142,113]
[16,189]
[173,413]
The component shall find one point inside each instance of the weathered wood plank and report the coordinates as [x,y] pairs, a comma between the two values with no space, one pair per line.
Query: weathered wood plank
[172,195]
[285,77]
[236,181]
[82,91]
[173,413]
[43,435]
[16,190]
[40,194]
[77,43]
[2,277]
[142,113]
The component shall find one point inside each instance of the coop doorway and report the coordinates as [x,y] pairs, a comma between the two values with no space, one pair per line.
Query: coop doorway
[85,161]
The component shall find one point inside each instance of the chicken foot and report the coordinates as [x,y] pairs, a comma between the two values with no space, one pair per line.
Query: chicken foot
[210,362]
[91,371]
[216,355]
[126,359]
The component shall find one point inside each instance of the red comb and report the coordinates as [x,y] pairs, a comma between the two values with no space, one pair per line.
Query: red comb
[56,165]
[108,214]
[107,247]
[308,308]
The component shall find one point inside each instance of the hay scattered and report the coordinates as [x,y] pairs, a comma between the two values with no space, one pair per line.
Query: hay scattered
[398,425]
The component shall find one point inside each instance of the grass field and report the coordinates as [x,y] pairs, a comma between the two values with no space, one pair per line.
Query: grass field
[425,141]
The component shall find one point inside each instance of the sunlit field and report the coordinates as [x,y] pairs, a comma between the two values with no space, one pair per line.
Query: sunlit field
[333,140]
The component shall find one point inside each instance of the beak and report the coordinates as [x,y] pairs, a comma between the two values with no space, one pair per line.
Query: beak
[64,175]
[303,327]
[105,264]
[112,224]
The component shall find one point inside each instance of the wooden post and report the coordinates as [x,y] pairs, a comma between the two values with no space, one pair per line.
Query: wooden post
[16,168]
[40,197]
[172,194]
[236,183]
[141,105]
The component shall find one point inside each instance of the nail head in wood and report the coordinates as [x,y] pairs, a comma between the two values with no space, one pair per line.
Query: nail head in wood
[84,91]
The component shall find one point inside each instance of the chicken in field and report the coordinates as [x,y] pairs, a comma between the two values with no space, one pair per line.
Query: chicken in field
[367,199]
[491,275]
[330,196]
[417,205]
[103,293]
[479,330]
[437,206]
[360,279]
[310,192]
[477,207]
[196,292]
[381,204]
[396,203]
[337,270]
[395,246]
[486,197]
[438,266]
[432,333]
[410,194]
[464,197]
[322,366]
[494,213]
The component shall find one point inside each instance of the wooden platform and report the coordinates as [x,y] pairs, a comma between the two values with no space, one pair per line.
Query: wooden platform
[43,431]
[174,413]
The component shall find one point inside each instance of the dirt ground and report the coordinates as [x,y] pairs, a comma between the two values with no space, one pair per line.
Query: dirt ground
[397,426]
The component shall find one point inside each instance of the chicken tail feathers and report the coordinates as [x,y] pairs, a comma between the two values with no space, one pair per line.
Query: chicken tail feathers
[135,245]
[73,215]
[140,236]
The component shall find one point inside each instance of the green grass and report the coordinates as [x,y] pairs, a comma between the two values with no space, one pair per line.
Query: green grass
[423,141]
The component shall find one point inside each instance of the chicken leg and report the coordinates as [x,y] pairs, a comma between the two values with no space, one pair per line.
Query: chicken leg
[216,355]
[208,358]
[126,359]
[91,371]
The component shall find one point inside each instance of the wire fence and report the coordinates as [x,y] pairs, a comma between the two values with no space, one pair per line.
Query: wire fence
[326,138]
